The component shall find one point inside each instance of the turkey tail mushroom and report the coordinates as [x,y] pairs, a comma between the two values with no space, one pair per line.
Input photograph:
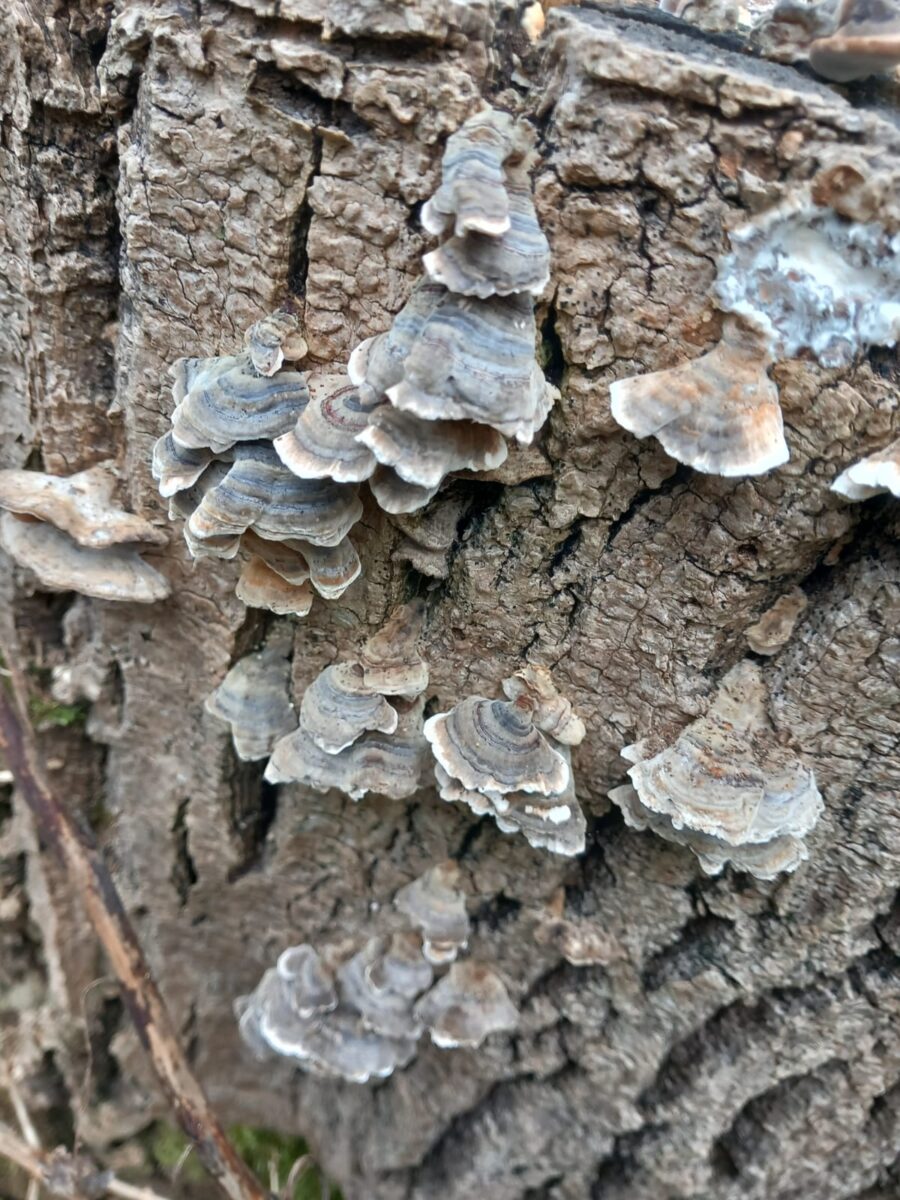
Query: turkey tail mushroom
[424,452]
[254,700]
[260,587]
[337,708]
[390,661]
[273,339]
[325,442]
[434,905]
[872,475]
[466,1006]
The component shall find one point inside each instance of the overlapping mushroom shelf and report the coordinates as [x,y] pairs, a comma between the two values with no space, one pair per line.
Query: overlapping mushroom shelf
[361,1017]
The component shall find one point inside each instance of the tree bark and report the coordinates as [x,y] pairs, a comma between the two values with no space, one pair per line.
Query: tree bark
[742,1040]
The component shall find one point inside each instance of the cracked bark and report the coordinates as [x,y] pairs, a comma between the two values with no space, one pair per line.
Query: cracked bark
[744,1043]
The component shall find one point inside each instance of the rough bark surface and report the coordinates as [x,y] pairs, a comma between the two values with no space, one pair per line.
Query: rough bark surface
[744,1038]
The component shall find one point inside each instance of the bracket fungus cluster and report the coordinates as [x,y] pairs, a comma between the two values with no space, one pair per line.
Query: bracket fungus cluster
[510,760]
[726,788]
[361,1017]
[360,726]
[74,536]
[807,277]
[456,373]
[254,699]
[222,469]
[842,40]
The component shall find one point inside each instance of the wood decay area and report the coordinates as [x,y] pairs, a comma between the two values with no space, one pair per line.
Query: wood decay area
[741,1039]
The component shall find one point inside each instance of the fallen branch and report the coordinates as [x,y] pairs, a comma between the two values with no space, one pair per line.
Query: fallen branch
[88,874]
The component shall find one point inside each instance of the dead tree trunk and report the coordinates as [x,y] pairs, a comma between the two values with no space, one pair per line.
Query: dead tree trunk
[742,1040]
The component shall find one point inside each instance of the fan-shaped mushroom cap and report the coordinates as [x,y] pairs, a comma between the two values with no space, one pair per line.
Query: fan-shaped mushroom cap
[466,1006]
[493,746]
[383,1010]
[401,967]
[876,473]
[424,452]
[553,823]
[81,505]
[324,442]
[183,502]
[433,904]
[725,775]
[866,42]
[331,568]
[273,339]
[231,403]
[474,360]
[389,659]
[254,700]
[337,708]
[479,265]
[388,764]
[718,413]
[473,196]
[284,558]
[764,860]
[551,712]
[61,565]
[306,984]
[259,491]
[225,547]
[394,495]
[377,363]
[775,626]
[176,467]
[260,587]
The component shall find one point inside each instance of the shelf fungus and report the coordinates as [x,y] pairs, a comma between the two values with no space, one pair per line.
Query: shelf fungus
[254,700]
[466,1006]
[718,413]
[842,40]
[435,906]
[73,535]
[503,759]
[726,787]
[337,708]
[872,475]
[456,373]
[382,981]
[390,660]
[285,510]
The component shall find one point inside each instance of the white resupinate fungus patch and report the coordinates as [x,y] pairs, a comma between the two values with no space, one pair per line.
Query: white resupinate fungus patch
[815,281]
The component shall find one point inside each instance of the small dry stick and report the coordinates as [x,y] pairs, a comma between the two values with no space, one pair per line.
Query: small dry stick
[88,874]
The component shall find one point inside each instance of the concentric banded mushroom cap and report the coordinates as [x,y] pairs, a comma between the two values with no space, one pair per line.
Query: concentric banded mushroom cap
[332,569]
[718,413]
[466,1006]
[61,565]
[340,1045]
[176,467]
[222,406]
[552,713]
[273,339]
[224,547]
[474,360]
[424,452]
[337,708]
[382,1010]
[260,587]
[479,265]
[183,503]
[82,505]
[324,443]
[306,984]
[377,363]
[554,823]
[401,967]
[473,196]
[493,746]
[389,659]
[254,700]
[387,764]
[286,559]
[876,473]
[395,495]
[433,904]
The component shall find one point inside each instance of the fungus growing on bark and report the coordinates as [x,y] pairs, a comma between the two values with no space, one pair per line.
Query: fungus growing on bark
[429,535]
[81,505]
[254,700]
[551,712]
[324,442]
[61,565]
[382,981]
[390,661]
[377,363]
[726,783]
[273,339]
[434,905]
[176,468]
[424,452]
[842,40]
[337,708]
[466,1006]
[718,413]
[872,475]
[394,495]
[221,401]
[260,587]
[775,626]
[287,559]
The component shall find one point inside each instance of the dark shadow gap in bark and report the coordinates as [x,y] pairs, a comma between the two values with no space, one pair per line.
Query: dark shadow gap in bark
[254,806]
[184,870]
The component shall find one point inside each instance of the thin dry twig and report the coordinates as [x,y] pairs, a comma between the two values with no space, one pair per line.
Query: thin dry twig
[88,874]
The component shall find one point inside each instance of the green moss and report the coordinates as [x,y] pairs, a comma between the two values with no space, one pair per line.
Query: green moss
[47,712]
[263,1151]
